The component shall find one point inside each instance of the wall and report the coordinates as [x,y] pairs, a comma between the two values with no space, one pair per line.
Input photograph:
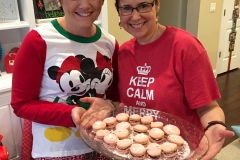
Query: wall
[173,12]
[198,20]
[113,28]
[209,28]
[193,7]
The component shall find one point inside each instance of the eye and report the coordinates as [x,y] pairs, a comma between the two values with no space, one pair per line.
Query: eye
[81,78]
[127,8]
[143,6]
[70,83]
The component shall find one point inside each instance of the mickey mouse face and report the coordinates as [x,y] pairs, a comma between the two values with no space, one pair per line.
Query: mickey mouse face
[75,82]
[103,82]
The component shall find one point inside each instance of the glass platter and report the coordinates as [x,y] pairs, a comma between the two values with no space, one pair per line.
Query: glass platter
[196,140]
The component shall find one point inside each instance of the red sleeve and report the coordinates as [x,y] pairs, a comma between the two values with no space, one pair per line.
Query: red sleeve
[199,82]
[113,93]
[26,84]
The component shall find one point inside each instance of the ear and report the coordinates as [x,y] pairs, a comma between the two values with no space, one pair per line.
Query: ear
[158,4]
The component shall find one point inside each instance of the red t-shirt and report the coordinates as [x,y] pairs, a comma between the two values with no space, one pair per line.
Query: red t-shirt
[172,74]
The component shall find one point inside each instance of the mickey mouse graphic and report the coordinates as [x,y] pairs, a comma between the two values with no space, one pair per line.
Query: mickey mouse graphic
[79,77]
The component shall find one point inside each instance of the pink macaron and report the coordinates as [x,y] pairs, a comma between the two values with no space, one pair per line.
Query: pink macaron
[126,125]
[110,141]
[169,150]
[122,117]
[122,133]
[141,139]
[139,128]
[123,146]
[111,122]
[146,120]
[156,135]
[98,125]
[171,129]
[154,150]
[178,140]
[137,152]
[100,134]
[156,125]
[134,119]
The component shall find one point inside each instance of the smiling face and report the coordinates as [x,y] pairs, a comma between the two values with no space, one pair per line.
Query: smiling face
[142,26]
[80,15]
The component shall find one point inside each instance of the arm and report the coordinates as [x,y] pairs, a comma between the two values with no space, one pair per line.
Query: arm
[217,133]
[211,112]
[26,84]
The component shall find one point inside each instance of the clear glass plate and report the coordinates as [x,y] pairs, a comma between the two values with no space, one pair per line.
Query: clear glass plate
[197,141]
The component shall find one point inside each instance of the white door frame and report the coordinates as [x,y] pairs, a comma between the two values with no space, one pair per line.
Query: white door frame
[222,35]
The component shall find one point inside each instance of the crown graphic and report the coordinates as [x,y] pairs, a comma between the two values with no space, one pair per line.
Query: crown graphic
[143,70]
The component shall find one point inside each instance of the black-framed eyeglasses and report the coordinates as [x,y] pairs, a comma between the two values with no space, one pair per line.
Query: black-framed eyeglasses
[141,8]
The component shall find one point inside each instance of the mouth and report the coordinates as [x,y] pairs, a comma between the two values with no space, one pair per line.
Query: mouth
[83,14]
[137,26]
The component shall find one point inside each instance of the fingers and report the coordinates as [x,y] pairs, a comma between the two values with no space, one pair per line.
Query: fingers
[120,108]
[77,112]
[227,134]
[212,152]
[97,105]
[208,156]
[88,114]
[88,99]
[92,118]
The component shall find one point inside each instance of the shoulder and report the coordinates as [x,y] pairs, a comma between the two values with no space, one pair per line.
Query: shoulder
[128,45]
[107,36]
[33,37]
[183,39]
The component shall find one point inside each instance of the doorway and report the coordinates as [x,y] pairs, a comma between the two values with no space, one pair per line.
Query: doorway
[229,55]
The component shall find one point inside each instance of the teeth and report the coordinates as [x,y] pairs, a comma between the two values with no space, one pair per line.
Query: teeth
[137,25]
[83,14]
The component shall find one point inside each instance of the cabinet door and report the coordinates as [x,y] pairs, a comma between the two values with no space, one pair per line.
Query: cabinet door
[10,128]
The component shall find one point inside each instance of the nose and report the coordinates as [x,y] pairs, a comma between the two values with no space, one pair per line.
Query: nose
[135,14]
[84,4]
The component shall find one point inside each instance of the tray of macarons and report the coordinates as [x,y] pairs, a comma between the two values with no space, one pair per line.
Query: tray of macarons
[140,135]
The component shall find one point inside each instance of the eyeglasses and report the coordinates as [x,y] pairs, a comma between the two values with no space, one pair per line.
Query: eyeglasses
[141,8]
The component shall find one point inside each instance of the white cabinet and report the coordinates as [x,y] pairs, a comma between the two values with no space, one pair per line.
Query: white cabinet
[10,125]
[13,33]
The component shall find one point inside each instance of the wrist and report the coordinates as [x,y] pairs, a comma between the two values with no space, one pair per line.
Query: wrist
[114,107]
[212,123]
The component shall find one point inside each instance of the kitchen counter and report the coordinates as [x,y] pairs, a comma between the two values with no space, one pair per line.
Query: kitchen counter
[10,124]
[5,82]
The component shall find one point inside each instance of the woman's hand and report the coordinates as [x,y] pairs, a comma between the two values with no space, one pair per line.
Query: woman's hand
[217,133]
[99,110]
[216,136]
[77,113]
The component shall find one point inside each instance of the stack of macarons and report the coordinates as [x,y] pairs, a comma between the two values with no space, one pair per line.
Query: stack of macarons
[98,125]
[123,146]
[156,135]
[139,136]
[146,120]
[137,152]
[100,134]
[110,141]
[139,128]
[134,119]
[154,150]
[122,117]
[111,122]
